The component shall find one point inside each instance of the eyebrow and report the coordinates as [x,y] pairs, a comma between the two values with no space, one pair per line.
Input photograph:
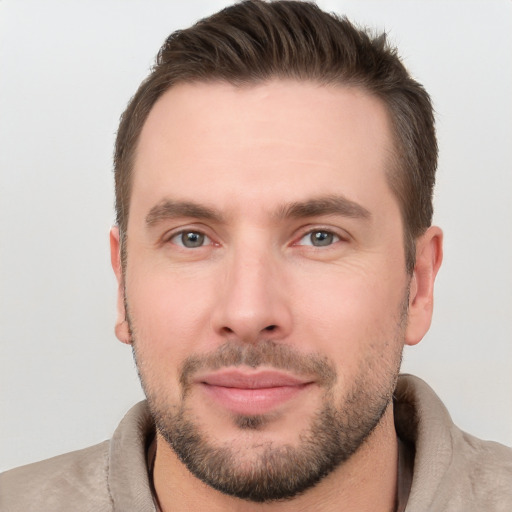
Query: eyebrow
[168,209]
[328,205]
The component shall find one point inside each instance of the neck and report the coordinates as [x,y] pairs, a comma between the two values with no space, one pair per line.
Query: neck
[365,482]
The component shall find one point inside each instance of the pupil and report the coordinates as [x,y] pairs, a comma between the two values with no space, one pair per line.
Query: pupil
[192,239]
[322,238]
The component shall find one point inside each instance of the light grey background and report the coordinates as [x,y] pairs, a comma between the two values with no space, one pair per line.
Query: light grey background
[67,70]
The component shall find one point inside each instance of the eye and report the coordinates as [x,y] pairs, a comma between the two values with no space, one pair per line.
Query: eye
[319,238]
[190,239]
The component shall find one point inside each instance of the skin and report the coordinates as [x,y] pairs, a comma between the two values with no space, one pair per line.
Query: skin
[247,153]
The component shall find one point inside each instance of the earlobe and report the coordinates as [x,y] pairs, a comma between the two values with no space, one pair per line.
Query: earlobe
[429,255]
[122,329]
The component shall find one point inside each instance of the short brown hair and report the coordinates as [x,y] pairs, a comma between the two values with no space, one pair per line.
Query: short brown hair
[254,41]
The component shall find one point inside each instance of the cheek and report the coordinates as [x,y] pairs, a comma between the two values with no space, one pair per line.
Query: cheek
[169,314]
[351,313]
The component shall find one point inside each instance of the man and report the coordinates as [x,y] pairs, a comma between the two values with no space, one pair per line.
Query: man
[274,253]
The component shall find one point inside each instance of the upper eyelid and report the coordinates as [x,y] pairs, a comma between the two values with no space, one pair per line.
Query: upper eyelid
[297,235]
[207,240]
[302,232]
[167,237]
[339,238]
[182,231]
[171,233]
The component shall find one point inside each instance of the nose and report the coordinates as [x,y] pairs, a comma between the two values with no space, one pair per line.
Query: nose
[253,303]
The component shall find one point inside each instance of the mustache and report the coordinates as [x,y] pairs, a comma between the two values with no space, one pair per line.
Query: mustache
[262,353]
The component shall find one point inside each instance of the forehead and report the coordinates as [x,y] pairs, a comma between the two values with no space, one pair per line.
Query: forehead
[287,138]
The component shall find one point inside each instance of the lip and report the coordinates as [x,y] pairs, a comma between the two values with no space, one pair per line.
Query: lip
[251,392]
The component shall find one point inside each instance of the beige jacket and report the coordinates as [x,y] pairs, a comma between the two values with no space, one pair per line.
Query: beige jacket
[453,471]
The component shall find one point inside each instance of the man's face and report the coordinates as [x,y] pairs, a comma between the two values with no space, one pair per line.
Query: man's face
[265,281]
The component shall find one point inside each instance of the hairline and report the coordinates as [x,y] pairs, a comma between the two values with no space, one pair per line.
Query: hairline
[395,163]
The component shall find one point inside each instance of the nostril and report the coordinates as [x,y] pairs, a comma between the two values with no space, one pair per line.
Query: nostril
[270,327]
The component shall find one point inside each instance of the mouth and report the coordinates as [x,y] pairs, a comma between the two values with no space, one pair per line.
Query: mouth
[252,392]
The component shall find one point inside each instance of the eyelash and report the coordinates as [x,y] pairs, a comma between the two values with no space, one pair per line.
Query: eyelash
[183,232]
[330,237]
[336,237]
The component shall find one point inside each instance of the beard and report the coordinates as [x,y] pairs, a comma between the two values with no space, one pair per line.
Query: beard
[264,471]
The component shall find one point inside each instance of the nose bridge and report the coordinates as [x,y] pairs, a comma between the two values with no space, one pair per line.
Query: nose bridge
[251,300]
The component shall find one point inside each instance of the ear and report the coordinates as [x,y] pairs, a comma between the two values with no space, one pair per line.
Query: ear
[429,255]
[122,329]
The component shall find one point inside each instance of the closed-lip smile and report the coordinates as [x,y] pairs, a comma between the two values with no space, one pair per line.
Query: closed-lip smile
[251,392]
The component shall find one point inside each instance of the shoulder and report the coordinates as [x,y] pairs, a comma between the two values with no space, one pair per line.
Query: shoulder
[476,475]
[110,475]
[486,470]
[453,470]
[74,481]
